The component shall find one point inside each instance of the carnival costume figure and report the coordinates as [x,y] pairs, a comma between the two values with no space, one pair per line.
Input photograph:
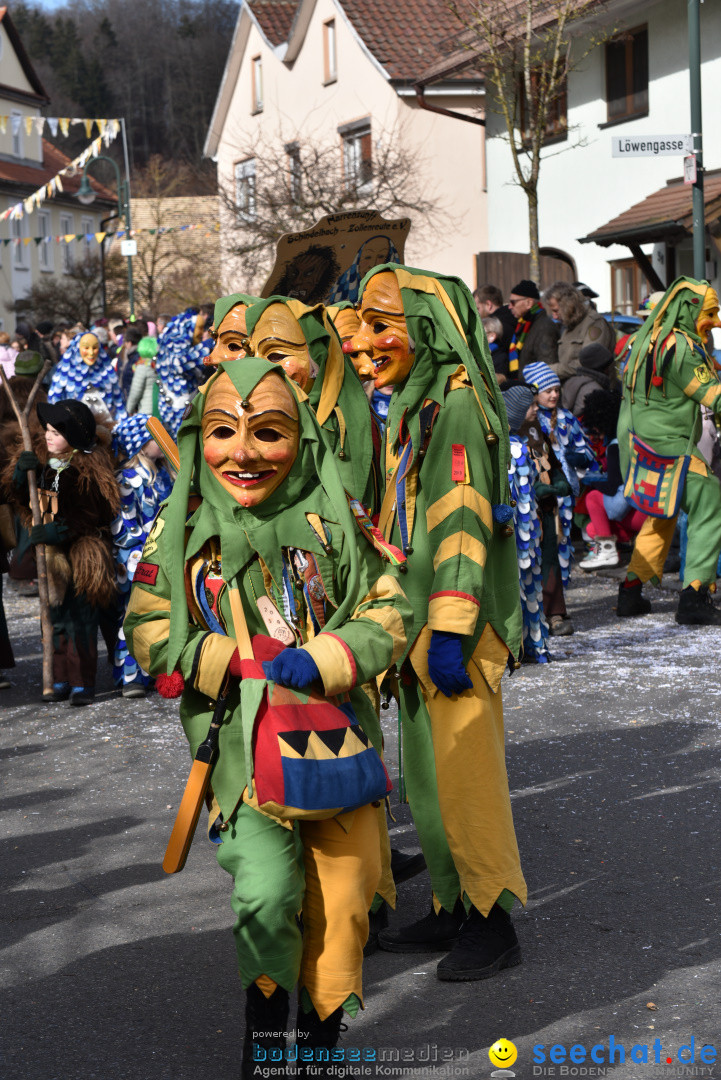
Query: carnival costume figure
[179,367]
[670,375]
[445,465]
[78,501]
[144,483]
[523,476]
[264,537]
[571,446]
[86,366]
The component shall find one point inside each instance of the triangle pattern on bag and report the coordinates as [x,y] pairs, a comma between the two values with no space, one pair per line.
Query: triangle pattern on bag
[296,740]
[333,739]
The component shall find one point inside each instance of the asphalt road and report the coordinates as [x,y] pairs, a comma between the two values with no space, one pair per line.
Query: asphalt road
[112,970]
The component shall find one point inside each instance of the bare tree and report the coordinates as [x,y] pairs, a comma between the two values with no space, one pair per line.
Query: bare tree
[74,296]
[527,49]
[174,266]
[291,183]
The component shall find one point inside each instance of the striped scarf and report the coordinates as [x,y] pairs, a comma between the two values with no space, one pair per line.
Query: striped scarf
[519,336]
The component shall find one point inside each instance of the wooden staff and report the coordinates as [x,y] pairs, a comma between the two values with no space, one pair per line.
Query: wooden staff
[45,623]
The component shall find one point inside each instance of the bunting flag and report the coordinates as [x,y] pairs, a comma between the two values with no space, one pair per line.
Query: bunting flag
[99,237]
[64,122]
[110,131]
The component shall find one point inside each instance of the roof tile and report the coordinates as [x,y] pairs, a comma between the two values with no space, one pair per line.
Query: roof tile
[275,18]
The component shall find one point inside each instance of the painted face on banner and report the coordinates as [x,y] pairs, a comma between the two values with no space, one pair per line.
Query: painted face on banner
[278,337]
[89,347]
[231,342]
[382,336]
[250,450]
[709,317]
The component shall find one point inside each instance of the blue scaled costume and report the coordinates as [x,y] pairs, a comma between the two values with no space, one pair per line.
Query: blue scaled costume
[573,451]
[522,474]
[142,490]
[179,368]
[73,378]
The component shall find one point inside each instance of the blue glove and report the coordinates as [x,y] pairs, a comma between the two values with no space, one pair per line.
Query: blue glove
[292,667]
[445,663]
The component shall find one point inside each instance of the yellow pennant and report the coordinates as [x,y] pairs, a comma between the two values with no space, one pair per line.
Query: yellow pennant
[3,124]
[28,121]
[88,127]
[100,236]
[64,122]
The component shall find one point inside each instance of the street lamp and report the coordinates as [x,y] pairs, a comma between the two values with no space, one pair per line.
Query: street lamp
[86,196]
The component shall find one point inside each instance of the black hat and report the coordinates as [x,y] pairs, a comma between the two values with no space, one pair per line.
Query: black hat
[585,290]
[526,288]
[596,357]
[73,419]
[518,400]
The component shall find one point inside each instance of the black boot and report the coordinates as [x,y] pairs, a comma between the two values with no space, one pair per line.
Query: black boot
[377,921]
[433,933]
[696,608]
[319,1036]
[264,1019]
[405,866]
[631,601]
[483,947]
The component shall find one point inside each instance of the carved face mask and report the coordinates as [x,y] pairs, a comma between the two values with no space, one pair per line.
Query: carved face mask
[709,317]
[383,336]
[347,323]
[250,445]
[231,338]
[278,337]
[89,347]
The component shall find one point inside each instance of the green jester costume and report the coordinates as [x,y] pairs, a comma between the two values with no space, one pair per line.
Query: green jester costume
[669,377]
[259,517]
[446,505]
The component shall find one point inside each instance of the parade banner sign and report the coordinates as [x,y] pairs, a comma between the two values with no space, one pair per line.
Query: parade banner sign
[327,263]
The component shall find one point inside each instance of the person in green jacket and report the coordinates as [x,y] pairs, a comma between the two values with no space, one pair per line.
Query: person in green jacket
[447,506]
[670,375]
[265,524]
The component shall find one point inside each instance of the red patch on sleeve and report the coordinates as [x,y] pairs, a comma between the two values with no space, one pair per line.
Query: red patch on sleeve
[458,463]
[146,573]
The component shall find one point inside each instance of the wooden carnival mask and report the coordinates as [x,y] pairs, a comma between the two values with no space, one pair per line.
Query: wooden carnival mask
[278,337]
[347,323]
[382,337]
[231,338]
[250,444]
[709,317]
[89,348]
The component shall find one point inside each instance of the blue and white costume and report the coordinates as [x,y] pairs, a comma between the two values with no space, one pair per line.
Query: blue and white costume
[179,368]
[521,476]
[73,378]
[142,489]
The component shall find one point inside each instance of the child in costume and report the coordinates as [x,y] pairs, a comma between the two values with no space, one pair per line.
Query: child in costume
[612,516]
[85,366]
[179,366]
[79,500]
[143,393]
[669,376]
[573,450]
[144,483]
[445,465]
[523,476]
[270,540]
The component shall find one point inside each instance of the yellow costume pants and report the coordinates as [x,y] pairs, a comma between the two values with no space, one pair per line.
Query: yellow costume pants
[701,500]
[328,870]
[455,773]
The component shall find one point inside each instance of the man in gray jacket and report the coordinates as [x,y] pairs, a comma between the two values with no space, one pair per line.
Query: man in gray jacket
[582,325]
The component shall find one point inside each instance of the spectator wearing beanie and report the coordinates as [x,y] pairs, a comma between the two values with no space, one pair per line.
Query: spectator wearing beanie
[535,336]
[596,371]
[571,446]
[522,476]
[143,395]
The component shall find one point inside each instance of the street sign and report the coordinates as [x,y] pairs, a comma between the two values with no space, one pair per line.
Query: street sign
[689,169]
[624,146]
[128,247]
